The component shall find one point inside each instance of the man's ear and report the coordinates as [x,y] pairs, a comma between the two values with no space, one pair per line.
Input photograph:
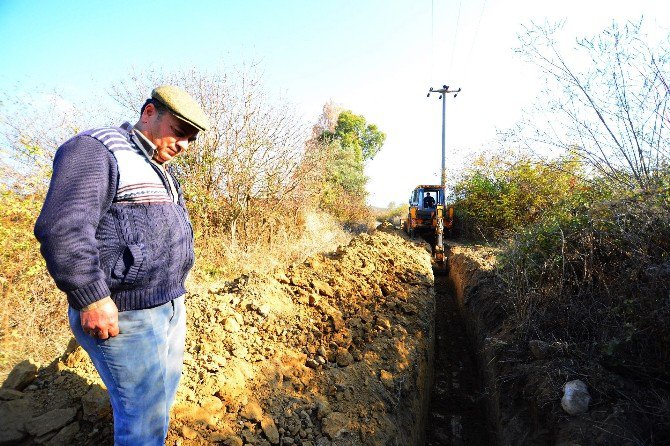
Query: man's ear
[150,109]
[148,112]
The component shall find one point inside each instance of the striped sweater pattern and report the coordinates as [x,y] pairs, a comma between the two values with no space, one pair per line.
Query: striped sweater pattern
[114,223]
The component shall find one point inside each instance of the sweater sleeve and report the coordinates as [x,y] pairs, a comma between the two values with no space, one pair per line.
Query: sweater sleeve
[83,185]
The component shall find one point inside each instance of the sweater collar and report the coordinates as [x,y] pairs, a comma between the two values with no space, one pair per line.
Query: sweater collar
[141,141]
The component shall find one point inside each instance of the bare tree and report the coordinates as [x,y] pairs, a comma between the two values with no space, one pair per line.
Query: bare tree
[249,162]
[606,100]
[32,126]
[327,120]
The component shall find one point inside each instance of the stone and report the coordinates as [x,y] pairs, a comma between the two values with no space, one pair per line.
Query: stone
[189,433]
[219,360]
[343,357]
[312,364]
[10,394]
[50,421]
[322,288]
[21,376]
[233,440]
[292,423]
[264,310]
[323,441]
[65,437]
[576,397]
[383,323]
[43,439]
[212,403]
[241,352]
[270,430]
[252,412]
[334,425]
[322,409]
[76,357]
[231,325]
[12,417]
[299,281]
[249,437]
[387,379]
[338,320]
[95,404]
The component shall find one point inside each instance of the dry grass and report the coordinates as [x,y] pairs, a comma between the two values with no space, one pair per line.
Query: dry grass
[33,321]
[218,260]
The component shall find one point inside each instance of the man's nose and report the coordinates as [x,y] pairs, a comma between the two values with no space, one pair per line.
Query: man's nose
[182,145]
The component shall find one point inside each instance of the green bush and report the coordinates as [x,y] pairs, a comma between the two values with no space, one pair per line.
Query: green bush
[503,194]
[393,213]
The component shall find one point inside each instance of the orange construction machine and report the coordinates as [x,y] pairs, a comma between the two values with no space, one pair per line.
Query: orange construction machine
[430,217]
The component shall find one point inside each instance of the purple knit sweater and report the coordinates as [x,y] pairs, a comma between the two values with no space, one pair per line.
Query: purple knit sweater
[109,226]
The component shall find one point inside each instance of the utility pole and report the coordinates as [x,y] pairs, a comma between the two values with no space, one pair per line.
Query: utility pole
[443,93]
[441,209]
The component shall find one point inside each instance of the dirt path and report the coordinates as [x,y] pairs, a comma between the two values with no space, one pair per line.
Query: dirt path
[457,412]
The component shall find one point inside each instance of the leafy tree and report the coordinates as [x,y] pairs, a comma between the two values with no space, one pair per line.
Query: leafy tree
[355,134]
[249,165]
[348,144]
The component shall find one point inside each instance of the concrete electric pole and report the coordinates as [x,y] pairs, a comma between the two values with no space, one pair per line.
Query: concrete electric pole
[440,211]
[443,93]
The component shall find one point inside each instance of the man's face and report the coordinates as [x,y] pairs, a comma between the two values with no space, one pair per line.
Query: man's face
[170,134]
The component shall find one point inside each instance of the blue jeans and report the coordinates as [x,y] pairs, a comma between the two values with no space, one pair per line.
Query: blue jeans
[141,368]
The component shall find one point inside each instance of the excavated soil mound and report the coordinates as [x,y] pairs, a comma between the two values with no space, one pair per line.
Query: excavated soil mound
[334,351]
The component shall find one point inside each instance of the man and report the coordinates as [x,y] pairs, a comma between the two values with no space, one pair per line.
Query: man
[117,240]
[429,201]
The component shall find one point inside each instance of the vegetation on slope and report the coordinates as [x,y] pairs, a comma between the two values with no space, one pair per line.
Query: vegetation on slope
[585,233]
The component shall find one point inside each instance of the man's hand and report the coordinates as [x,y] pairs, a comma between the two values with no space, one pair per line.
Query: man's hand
[100,319]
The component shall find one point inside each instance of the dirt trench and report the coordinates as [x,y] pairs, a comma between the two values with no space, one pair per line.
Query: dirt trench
[336,351]
[458,411]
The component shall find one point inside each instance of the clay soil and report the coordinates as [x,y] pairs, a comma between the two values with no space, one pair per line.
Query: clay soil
[337,350]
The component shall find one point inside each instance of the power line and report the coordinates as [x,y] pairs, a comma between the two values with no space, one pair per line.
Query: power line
[453,47]
[474,40]
[432,38]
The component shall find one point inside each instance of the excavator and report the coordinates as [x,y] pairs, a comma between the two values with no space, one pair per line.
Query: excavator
[430,217]
[428,212]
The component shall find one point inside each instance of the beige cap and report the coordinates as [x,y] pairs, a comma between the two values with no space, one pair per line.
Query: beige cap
[182,105]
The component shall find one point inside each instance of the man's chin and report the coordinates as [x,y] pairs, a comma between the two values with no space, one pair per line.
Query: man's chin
[161,159]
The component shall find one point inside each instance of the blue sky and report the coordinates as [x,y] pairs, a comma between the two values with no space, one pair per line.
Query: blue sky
[377,58]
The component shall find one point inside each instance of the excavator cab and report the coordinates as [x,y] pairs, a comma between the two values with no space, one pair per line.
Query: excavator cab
[429,215]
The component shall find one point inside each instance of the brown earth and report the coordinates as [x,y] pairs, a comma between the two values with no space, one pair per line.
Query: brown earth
[338,350]
[335,351]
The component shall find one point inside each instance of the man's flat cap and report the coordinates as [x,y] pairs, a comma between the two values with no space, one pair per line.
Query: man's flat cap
[182,105]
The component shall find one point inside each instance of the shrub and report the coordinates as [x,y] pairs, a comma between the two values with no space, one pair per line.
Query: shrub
[33,317]
[598,276]
[502,194]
